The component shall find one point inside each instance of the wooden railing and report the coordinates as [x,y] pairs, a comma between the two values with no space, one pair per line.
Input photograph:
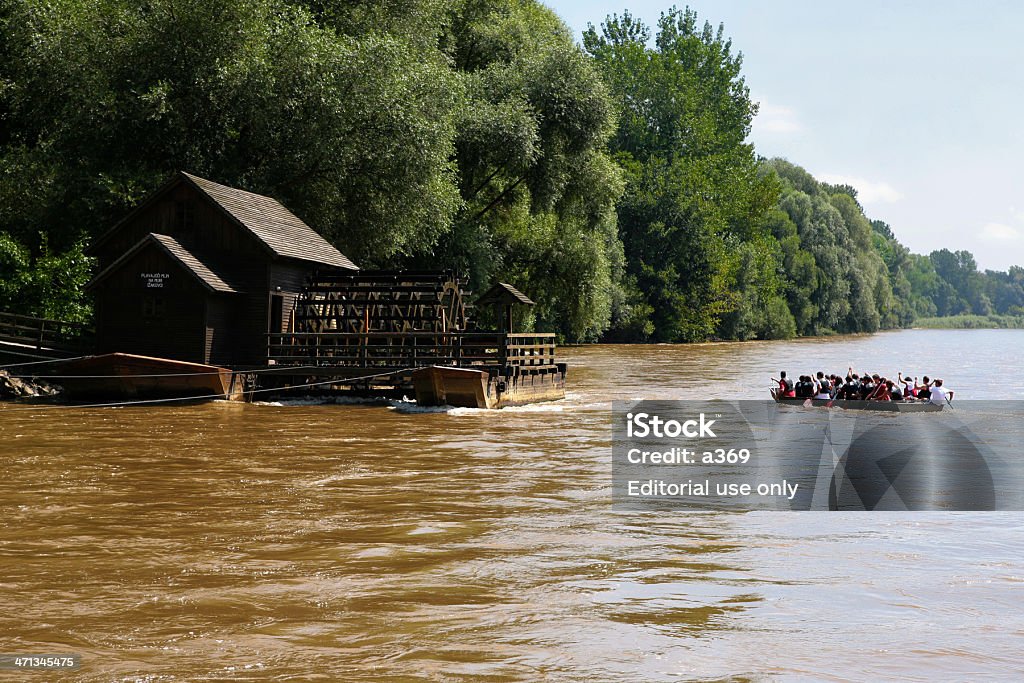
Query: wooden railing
[410,349]
[529,349]
[44,335]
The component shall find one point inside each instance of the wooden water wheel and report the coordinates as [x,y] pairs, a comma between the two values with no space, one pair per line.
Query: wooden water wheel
[387,302]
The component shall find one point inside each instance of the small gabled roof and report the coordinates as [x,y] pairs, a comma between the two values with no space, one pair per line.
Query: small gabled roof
[503,293]
[277,228]
[210,276]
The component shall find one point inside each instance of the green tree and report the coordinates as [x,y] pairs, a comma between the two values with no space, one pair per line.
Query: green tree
[537,185]
[844,272]
[49,286]
[1005,289]
[352,132]
[467,134]
[966,290]
[694,193]
[762,312]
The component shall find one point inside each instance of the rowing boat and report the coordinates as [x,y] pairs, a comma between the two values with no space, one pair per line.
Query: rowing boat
[846,404]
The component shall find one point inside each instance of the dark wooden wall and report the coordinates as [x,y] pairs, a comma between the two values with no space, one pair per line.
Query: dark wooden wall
[292,277]
[125,317]
[221,329]
[254,317]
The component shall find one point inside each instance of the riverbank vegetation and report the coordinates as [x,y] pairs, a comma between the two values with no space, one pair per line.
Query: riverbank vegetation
[972,322]
[612,180]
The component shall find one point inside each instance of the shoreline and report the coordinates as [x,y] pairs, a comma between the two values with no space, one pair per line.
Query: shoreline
[820,337]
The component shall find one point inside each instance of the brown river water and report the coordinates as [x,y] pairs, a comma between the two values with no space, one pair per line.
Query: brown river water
[303,541]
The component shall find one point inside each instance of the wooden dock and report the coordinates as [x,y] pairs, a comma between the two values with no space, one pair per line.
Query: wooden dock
[482,369]
[373,332]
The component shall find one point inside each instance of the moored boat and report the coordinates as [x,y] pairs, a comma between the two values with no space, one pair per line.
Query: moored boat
[121,376]
[438,385]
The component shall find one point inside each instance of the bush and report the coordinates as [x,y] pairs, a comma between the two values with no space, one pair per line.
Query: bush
[779,322]
[49,286]
[972,322]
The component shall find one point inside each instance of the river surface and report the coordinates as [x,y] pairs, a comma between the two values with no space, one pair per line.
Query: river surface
[302,541]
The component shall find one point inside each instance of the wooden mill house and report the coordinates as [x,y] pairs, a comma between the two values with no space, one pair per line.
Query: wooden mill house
[201,272]
[205,273]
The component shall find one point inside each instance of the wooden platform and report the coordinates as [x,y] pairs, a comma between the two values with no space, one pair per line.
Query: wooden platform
[442,365]
[476,369]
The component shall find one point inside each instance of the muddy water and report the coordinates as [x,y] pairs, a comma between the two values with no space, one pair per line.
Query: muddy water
[355,542]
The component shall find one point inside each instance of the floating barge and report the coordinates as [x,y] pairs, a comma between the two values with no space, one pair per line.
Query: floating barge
[124,376]
[467,388]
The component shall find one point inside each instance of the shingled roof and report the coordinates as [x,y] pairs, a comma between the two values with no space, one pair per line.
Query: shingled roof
[213,277]
[277,227]
[503,293]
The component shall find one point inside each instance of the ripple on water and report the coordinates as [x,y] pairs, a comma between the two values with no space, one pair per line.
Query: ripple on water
[377,541]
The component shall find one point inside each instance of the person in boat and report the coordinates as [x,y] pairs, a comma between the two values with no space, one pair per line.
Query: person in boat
[850,390]
[938,394]
[881,391]
[867,387]
[849,387]
[823,387]
[895,391]
[888,391]
[786,388]
[906,385]
[923,391]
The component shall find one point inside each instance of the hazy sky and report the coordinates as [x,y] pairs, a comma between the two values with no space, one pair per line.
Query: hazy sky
[919,105]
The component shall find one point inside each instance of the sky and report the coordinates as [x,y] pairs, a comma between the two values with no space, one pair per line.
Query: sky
[917,104]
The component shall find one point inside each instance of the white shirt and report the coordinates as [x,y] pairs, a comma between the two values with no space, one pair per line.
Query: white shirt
[938,396]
